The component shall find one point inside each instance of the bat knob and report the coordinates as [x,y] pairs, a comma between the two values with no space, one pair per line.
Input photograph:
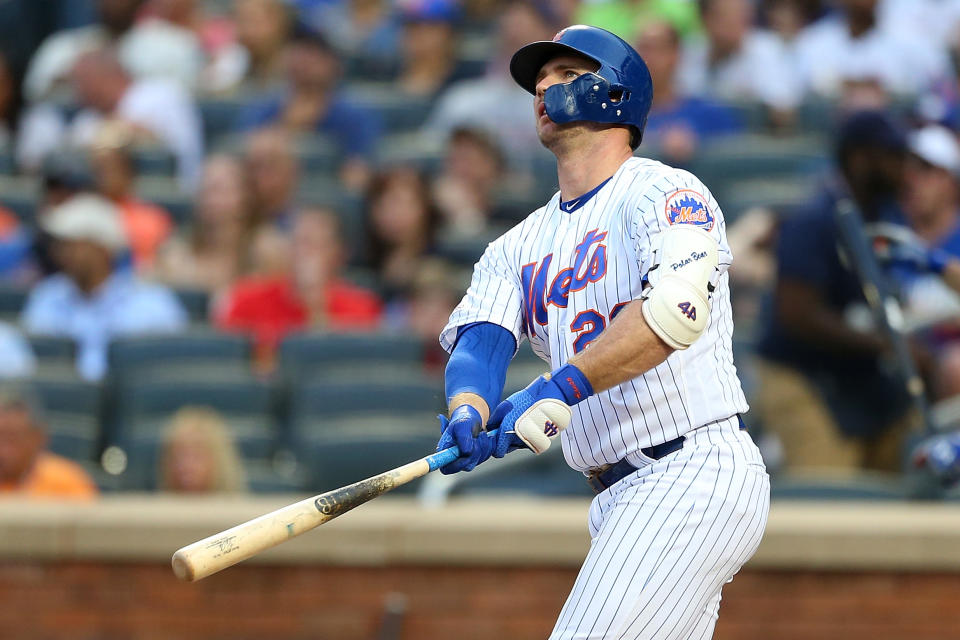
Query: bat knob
[182,567]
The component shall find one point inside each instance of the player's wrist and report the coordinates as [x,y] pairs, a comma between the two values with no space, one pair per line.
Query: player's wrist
[572,383]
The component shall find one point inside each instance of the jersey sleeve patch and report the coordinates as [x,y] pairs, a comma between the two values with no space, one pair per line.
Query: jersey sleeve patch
[686,206]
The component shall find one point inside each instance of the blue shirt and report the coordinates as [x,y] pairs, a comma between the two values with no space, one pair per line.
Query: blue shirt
[706,118]
[121,306]
[355,128]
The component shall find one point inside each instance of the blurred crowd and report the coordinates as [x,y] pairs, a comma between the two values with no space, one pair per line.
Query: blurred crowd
[338,165]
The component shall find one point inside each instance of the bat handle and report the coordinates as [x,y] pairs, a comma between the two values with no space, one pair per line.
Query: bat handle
[446,456]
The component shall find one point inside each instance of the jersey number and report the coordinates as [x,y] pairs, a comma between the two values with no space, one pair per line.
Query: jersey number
[590,324]
[688,310]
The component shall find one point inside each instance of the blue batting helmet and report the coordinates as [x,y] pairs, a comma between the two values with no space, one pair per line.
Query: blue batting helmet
[619,92]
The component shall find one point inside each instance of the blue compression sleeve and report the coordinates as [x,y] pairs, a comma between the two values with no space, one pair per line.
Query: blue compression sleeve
[478,363]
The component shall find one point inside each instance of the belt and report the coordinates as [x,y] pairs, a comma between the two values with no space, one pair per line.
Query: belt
[607,476]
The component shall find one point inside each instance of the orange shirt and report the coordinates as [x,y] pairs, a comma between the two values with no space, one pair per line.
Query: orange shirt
[53,476]
[147,227]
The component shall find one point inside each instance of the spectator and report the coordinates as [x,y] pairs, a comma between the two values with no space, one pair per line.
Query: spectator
[16,355]
[677,125]
[787,18]
[163,44]
[495,102]
[932,204]
[736,62]
[50,66]
[91,301]
[824,391]
[26,468]
[147,225]
[627,18]
[199,455]
[467,185]
[64,176]
[274,174]
[400,227]
[366,32]
[311,103]
[215,250]
[262,26]
[427,306]
[851,44]
[158,110]
[313,295]
[428,50]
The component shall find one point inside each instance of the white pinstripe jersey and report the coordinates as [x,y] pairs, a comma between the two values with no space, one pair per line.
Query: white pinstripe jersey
[559,277]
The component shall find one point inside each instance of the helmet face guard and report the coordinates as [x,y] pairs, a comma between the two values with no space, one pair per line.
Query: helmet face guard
[619,92]
[590,97]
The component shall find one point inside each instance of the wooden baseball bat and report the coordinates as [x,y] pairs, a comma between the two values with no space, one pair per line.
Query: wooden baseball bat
[227,548]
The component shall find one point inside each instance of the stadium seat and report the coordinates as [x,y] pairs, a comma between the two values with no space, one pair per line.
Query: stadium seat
[338,459]
[143,408]
[319,408]
[399,112]
[754,157]
[307,355]
[154,160]
[165,193]
[196,302]
[12,301]
[72,410]
[55,354]
[196,354]
[220,117]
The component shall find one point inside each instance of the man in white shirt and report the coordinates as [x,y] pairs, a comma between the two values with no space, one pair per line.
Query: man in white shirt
[737,62]
[160,110]
[854,42]
[91,301]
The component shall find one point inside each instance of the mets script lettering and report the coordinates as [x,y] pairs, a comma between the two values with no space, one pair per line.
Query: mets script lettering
[589,265]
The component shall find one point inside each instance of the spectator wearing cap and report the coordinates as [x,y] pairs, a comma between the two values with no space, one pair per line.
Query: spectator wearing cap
[677,125]
[495,102]
[823,390]
[313,103]
[627,18]
[852,45]
[737,62]
[932,204]
[26,467]
[312,295]
[428,47]
[91,301]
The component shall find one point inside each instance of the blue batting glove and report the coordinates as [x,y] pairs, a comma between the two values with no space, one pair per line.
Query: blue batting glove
[465,430]
[533,416]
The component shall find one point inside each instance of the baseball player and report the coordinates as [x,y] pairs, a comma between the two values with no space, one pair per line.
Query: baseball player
[619,282]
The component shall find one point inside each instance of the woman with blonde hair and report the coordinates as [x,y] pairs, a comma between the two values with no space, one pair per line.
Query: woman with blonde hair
[199,454]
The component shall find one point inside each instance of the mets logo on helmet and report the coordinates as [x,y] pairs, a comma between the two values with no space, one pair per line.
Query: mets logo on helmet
[686,206]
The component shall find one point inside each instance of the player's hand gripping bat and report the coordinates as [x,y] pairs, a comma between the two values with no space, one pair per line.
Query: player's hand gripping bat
[227,548]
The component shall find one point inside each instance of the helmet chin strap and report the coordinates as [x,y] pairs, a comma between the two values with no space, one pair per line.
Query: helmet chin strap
[586,98]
